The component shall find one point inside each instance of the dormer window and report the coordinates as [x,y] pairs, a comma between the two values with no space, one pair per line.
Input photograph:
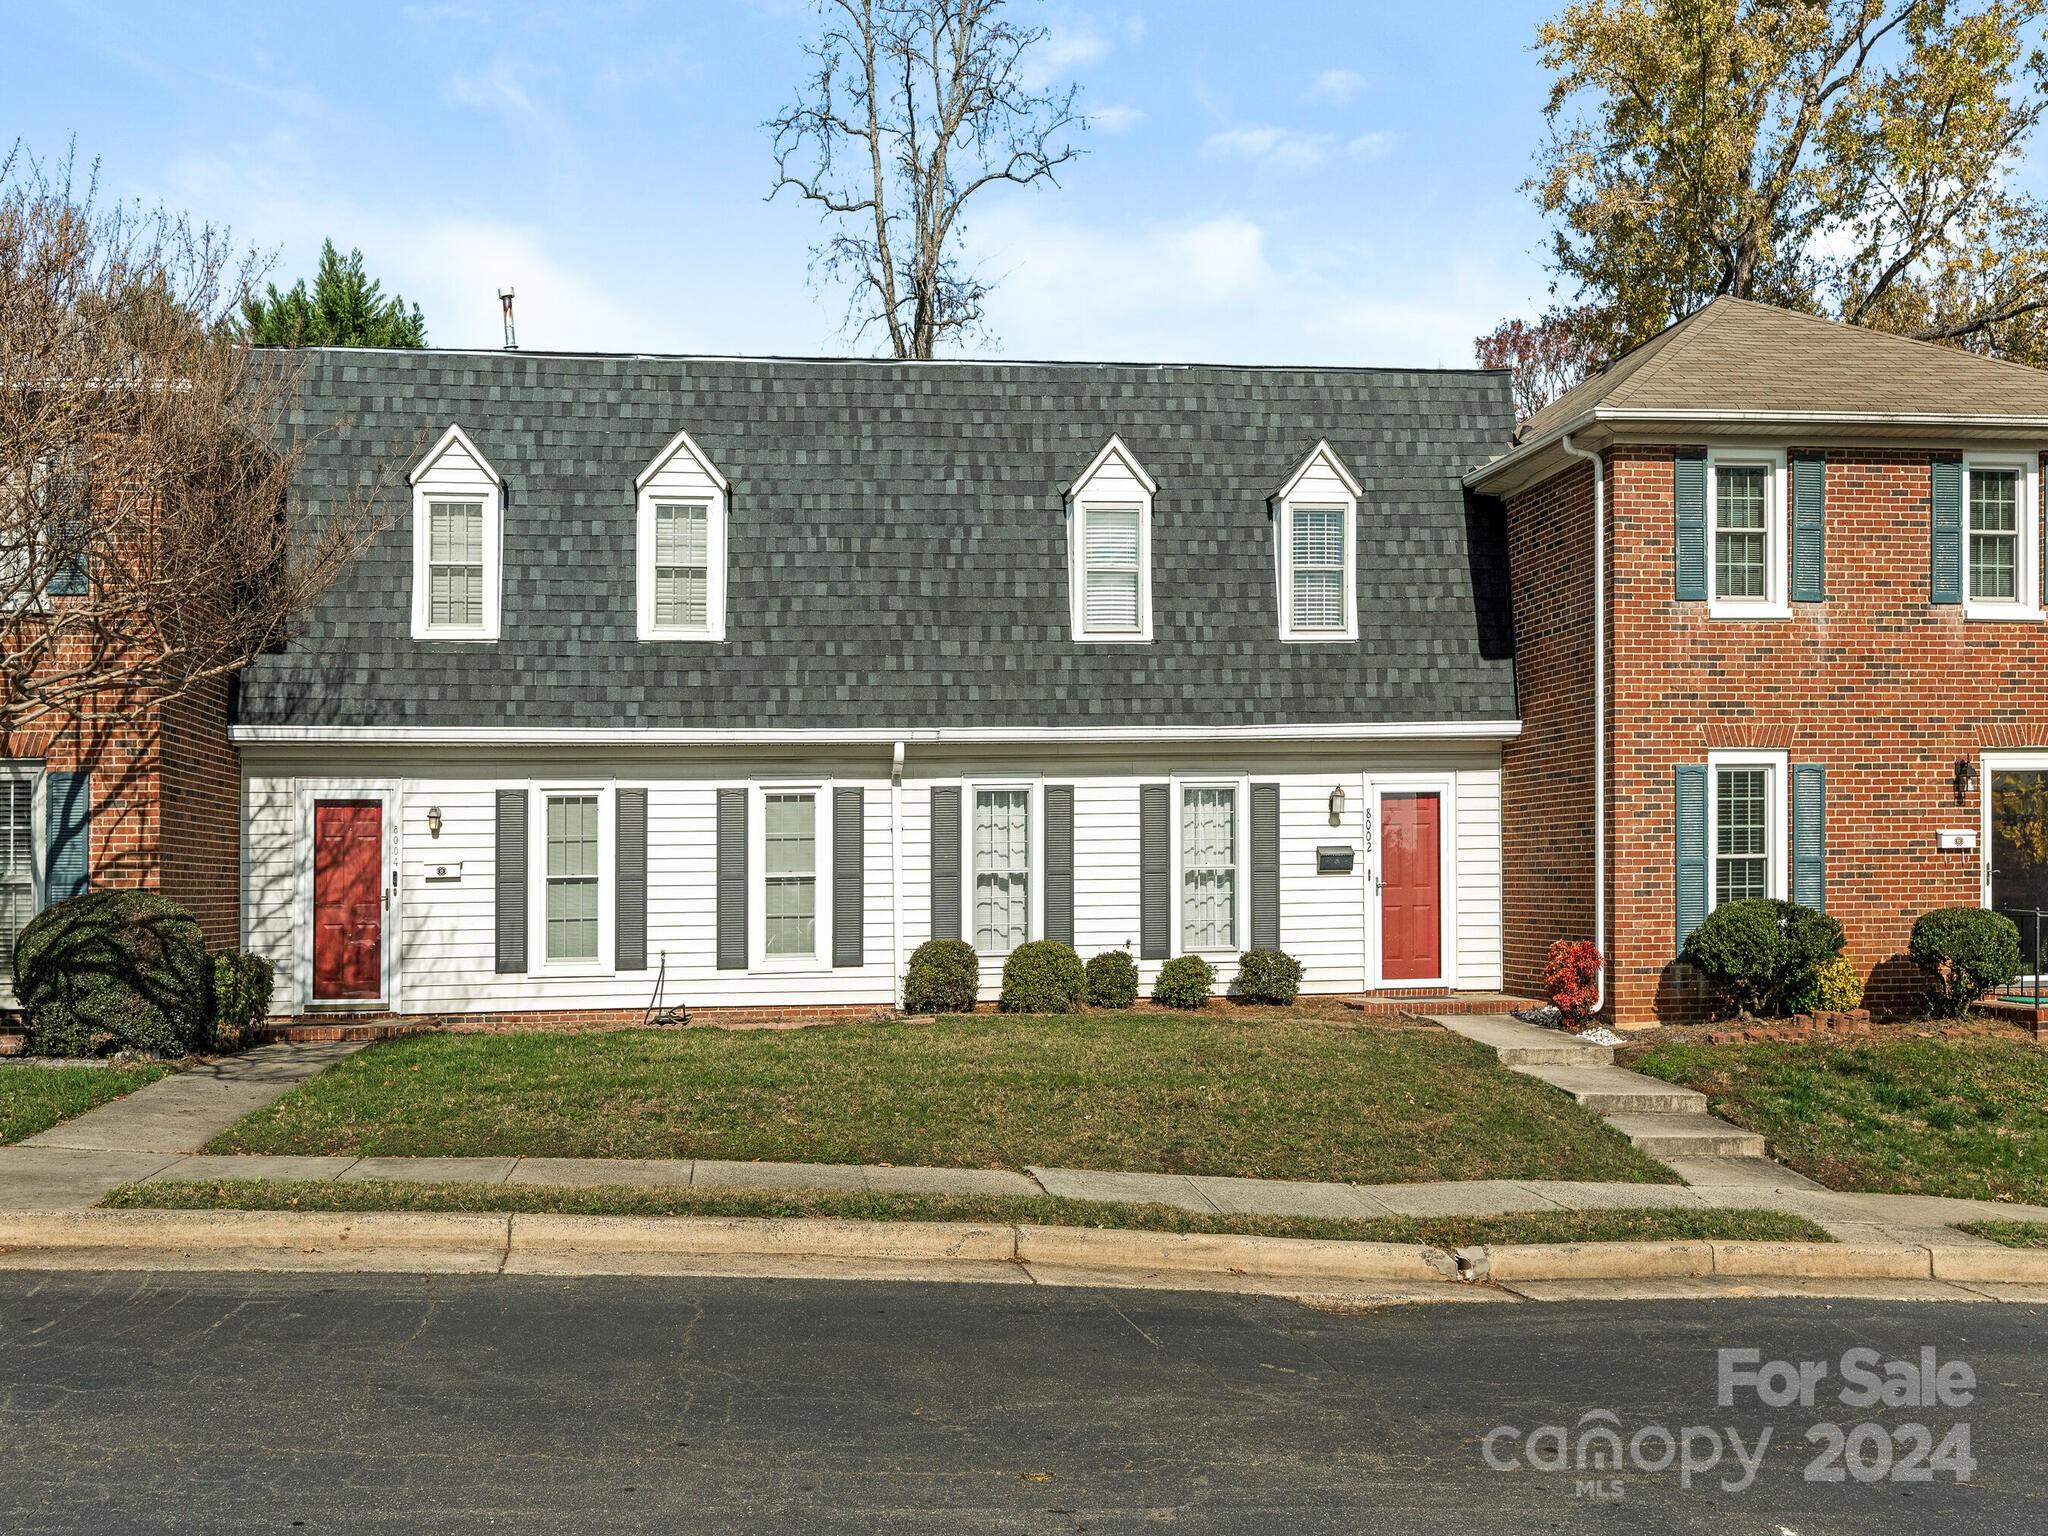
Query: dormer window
[1109,548]
[680,544]
[457,537]
[1315,521]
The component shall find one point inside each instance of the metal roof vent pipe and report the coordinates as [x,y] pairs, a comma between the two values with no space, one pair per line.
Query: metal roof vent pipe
[511,334]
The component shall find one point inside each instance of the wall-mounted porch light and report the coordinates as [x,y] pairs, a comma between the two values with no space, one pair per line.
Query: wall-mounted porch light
[1337,806]
[1966,779]
[433,821]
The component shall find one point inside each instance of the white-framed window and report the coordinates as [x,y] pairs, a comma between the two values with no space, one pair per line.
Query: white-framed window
[23,821]
[573,871]
[1109,548]
[2001,529]
[1746,551]
[1210,854]
[791,911]
[1746,826]
[1315,520]
[457,542]
[999,867]
[680,542]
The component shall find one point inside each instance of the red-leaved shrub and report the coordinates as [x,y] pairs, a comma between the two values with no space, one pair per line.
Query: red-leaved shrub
[1569,979]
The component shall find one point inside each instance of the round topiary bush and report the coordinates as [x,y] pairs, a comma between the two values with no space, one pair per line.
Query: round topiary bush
[242,985]
[944,977]
[1757,953]
[1183,982]
[1267,976]
[1965,952]
[1043,977]
[113,971]
[1113,979]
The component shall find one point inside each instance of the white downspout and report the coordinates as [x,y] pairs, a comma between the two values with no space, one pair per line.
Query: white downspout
[1599,710]
[896,875]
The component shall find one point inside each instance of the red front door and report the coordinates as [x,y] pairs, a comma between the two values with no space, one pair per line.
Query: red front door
[1411,887]
[348,900]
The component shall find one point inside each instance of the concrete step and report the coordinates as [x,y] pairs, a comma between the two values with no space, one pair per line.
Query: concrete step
[1687,1135]
[1616,1091]
[1524,1045]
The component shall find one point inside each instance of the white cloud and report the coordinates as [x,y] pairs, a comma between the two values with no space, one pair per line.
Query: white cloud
[1281,149]
[1338,85]
[1072,45]
[496,89]
[1376,145]
[1114,119]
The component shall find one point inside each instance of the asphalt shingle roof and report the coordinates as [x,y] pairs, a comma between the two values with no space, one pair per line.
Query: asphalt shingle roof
[898,555]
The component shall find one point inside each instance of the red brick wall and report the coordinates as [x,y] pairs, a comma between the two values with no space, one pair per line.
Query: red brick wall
[201,857]
[1547,772]
[1880,687]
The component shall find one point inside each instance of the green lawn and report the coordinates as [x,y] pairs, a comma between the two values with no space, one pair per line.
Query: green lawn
[34,1098]
[1265,1096]
[2014,1234]
[1040,1210]
[1966,1117]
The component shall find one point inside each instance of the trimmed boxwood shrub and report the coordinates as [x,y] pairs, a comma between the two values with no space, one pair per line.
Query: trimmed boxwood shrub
[1758,953]
[1965,952]
[1183,982]
[1833,988]
[1267,976]
[1043,976]
[114,971]
[242,986]
[944,976]
[1113,979]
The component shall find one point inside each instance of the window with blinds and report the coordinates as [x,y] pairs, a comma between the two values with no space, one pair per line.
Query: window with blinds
[455,564]
[1994,563]
[1002,869]
[572,877]
[789,905]
[1112,576]
[1208,867]
[17,863]
[682,565]
[1318,565]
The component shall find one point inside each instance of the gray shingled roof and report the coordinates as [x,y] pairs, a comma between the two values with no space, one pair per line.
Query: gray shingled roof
[897,545]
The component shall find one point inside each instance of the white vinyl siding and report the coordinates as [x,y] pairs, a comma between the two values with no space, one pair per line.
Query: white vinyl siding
[1110,541]
[455,564]
[1002,869]
[20,860]
[681,569]
[572,879]
[1318,596]
[789,832]
[1208,867]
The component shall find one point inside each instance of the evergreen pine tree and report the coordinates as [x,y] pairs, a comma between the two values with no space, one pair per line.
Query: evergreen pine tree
[346,308]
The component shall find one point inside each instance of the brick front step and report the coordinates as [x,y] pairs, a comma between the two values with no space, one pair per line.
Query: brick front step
[1395,1001]
[2026,1014]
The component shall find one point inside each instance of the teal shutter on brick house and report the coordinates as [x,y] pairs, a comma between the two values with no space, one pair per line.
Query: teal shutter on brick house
[1945,561]
[69,574]
[1689,505]
[1810,836]
[1809,528]
[69,835]
[1690,825]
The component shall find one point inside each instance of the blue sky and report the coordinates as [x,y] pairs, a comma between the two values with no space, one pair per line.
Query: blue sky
[1305,181]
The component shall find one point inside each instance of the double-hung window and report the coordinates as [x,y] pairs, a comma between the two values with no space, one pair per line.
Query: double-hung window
[680,541]
[573,877]
[1109,548]
[1208,867]
[2000,526]
[21,858]
[1746,558]
[1316,547]
[457,516]
[789,905]
[1002,869]
[1746,826]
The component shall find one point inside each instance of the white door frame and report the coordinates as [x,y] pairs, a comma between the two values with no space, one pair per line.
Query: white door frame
[1444,786]
[386,793]
[1989,763]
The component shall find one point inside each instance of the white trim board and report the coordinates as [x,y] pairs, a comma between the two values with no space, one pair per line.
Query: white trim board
[491,735]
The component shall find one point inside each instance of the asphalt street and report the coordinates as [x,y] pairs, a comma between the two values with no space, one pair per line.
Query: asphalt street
[371,1404]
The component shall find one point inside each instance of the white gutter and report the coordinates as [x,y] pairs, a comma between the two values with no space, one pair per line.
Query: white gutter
[896,874]
[572,736]
[1599,709]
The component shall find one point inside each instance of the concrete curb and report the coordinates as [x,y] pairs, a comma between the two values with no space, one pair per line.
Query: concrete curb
[1291,1257]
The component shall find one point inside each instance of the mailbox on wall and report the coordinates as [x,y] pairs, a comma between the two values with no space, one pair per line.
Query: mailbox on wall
[1333,861]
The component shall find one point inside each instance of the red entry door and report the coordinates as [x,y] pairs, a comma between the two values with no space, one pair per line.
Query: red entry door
[348,900]
[1411,887]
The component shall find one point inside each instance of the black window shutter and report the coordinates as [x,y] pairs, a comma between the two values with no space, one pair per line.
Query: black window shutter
[629,852]
[848,876]
[68,869]
[945,861]
[732,879]
[1059,863]
[511,881]
[1689,503]
[1155,871]
[1265,866]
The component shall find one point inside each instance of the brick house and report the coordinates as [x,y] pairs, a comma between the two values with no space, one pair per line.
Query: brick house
[1818,558]
[729,681]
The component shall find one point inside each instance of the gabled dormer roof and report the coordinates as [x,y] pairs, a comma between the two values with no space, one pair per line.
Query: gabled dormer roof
[681,443]
[1113,449]
[1325,455]
[454,439]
